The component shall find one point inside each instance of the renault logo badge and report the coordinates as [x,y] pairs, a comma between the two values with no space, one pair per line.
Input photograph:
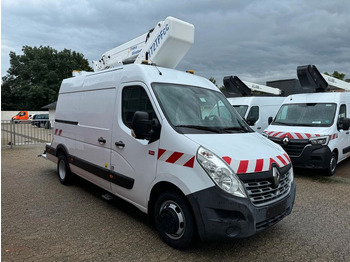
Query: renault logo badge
[276,176]
[285,140]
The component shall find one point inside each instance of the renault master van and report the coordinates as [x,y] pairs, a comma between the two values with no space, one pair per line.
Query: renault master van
[256,110]
[144,133]
[314,129]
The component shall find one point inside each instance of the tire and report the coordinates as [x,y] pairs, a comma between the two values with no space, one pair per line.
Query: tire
[330,171]
[174,220]
[63,170]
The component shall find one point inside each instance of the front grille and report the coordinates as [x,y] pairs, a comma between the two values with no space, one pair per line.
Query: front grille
[294,148]
[262,192]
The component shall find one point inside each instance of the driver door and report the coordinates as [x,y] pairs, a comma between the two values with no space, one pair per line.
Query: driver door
[134,159]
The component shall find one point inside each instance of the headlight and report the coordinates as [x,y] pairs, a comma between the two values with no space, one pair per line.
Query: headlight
[220,172]
[319,140]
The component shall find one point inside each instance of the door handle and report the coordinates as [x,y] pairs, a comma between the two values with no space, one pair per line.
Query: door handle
[120,144]
[101,140]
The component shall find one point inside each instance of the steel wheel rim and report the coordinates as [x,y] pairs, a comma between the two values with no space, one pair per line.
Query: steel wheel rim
[62,170]
[180,216]
[332,164]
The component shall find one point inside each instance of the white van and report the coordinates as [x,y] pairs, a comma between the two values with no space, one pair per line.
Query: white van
[143,133]
[256,110]
[314,129]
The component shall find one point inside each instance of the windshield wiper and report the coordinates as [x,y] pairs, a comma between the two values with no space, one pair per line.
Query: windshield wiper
[215,130]
[316,125]
[283,123]
[234,128]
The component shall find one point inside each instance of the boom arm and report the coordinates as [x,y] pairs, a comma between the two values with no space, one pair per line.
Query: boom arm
[310,76]
[335,82]
[165,45]
[245,88]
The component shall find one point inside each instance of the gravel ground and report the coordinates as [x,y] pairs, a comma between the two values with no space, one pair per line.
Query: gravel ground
[42,220]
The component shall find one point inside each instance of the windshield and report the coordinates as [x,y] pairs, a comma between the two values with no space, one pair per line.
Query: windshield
[198,110]
[241,109]
[307,114]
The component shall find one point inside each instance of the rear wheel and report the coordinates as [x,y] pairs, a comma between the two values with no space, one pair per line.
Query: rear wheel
[63,170]
[174,220]
[332,165]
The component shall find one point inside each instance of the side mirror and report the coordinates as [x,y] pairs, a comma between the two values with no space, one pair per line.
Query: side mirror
[144,128]
[251,120]
[270,119]
[344,123]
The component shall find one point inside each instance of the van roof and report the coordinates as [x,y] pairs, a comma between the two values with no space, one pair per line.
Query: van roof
[261,100]
[132,73]
[324,97]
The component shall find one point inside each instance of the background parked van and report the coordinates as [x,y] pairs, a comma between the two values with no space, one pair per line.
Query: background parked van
[314,129]
[22,115]
[256,110]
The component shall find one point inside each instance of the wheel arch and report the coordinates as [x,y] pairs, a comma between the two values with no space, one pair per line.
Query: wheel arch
[61,150]
[335,150]
[157,190]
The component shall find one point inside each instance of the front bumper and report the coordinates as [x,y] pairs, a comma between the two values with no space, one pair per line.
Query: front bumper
[313,157]
[222,216]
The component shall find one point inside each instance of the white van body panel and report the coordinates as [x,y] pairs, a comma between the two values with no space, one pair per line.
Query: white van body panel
[177,161]
[231,149]
[268,107]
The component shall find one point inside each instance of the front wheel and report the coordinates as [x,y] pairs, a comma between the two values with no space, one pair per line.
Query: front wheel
[63,170]
[332,165]
[174,220]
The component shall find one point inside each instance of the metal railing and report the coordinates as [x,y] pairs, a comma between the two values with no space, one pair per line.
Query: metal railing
[16,133]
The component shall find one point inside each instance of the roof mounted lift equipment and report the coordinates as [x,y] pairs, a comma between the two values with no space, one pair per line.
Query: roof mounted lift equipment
[165,45]
[309,76]
[245,88]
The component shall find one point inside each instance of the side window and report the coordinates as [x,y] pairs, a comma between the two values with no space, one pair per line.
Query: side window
[253,112]
[342,111]
[135,98]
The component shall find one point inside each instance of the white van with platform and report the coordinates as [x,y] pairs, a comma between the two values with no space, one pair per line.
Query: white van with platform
[314,127]
[256,110]
[143,133]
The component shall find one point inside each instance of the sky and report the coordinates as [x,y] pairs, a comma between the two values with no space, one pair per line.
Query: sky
[256,40]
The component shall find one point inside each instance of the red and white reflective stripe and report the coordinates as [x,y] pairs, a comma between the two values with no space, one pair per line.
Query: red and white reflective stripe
[291,135]
[297,135]
[177,158]
[58,132]
[257,165]
[334,136]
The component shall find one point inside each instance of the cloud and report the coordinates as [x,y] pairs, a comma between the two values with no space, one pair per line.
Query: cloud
[256,40]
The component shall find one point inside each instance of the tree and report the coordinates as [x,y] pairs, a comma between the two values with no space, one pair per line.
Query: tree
[212,79]
[34,78]
[222,88]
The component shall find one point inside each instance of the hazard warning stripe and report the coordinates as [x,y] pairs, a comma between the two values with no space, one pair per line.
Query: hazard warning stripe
[177,158]
[58,131]
[297,135]
[258,165]
[334,136]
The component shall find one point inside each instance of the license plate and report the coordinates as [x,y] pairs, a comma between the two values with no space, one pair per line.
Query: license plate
[276,209]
